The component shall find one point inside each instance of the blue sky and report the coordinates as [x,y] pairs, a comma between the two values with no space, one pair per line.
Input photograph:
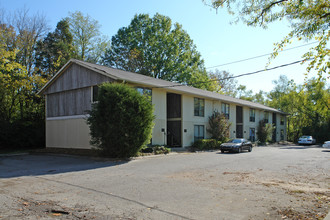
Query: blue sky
[216,39]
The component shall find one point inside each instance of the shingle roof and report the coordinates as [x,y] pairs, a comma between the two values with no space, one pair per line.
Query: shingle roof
[159,83]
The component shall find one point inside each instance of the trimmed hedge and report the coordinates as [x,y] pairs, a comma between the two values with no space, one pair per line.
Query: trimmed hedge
[206,144]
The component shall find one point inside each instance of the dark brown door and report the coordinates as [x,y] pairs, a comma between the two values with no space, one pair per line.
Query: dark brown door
[239,122]
[239,131]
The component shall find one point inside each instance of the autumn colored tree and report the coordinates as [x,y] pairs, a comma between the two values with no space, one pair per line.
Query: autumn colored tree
[219,127]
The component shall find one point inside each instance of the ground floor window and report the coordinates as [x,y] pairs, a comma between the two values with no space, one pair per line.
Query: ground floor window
[198,132]
[282,134]
[252,134]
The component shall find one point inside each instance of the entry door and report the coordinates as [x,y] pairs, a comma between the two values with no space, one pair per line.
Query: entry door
[239,131]
[239,122]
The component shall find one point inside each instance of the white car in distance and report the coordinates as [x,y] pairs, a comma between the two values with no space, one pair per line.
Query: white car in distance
[306,140]
[326,144]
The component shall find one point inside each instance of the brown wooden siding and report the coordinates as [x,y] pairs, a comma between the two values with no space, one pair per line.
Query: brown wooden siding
[76,77]
[68,103]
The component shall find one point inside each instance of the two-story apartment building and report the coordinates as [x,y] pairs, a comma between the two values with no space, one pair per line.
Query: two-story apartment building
[181,112]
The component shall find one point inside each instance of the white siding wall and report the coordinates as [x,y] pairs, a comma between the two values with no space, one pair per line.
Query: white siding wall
[159,103]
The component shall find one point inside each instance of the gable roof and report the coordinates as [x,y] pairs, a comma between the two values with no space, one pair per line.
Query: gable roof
[151,82]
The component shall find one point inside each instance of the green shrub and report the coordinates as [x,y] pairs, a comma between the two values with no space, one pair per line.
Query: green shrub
[264,132]
[218,126]
[121,121]
[206,144]
[161,150]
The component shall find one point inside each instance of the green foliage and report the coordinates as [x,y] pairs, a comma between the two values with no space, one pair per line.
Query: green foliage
[309,19]
[308,106]
[218,127]
[155,47]
[161,150]
[121,121]
[88,42]
[206,144]
[264,132]
[54,50]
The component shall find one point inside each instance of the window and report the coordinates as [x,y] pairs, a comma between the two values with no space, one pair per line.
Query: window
[282,120]
[266,117]
[198,132]
[225,110]
[252,136]
[252,115]
[145,92]
[282,134]
[95,93]
[199,107]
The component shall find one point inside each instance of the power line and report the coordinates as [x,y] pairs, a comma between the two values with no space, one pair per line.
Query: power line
[237,76]
[251,58]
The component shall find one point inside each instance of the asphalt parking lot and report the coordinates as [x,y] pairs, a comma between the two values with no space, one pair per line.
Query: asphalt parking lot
[281,182]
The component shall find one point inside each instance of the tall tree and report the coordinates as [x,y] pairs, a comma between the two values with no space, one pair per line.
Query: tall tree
[226,84]
[308,106]
[17,87]
[29,29]
[88,42]
[309,19]
[55,49]
[155,47]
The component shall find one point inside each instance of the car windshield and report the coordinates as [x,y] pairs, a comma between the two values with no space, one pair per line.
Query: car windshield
[236,141]
[306,137]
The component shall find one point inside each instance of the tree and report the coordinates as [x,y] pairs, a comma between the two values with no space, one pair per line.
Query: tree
[55,49]
[88,42]
[309,19]
[155,47]
[219,127]
[121,121]
[308,106]
[264,132]
[226,84]
[28,30]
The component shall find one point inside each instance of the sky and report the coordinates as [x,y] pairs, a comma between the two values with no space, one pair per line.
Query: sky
[218,41]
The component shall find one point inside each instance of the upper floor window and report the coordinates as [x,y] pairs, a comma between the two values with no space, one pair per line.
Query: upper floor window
[266,118]
[225,110]
[282,120]
[199,107]
[252,115]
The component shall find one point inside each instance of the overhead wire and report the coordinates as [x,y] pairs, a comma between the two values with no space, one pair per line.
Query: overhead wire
[237,76]
[251,58]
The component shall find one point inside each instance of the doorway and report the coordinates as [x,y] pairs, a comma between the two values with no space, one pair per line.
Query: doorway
[174,133]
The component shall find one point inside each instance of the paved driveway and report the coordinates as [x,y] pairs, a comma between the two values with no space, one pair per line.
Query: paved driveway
[268,183]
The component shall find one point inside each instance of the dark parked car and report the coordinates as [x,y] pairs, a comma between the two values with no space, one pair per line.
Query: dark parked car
[236,145]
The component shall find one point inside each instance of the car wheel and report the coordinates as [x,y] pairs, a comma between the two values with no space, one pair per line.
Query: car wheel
[250,149]
[222,151]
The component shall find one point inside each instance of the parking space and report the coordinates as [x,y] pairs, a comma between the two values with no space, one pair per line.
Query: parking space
[268,183]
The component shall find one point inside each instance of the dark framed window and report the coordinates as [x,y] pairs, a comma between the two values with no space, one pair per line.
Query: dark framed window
[266,118]
[225,110]
[282,120]
[95,93]
[252,115]
[199,107]
[252,135]
[282,134]
[198,132]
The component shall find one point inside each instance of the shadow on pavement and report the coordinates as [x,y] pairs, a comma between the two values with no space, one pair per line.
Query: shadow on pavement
[35,165]
[296,147]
